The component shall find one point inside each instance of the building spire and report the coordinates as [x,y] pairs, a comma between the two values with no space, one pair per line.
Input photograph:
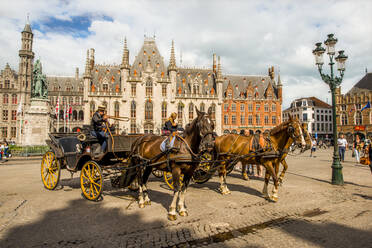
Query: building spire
[279,81]
[172,61]
[87,66]
[27,27]
[219,70]
[125,59]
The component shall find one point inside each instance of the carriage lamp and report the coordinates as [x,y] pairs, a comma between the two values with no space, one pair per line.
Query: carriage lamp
[333,82]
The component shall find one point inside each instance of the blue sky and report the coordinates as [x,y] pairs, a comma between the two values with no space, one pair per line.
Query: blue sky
[249,36]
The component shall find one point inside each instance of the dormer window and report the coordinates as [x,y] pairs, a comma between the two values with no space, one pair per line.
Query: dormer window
[105,87]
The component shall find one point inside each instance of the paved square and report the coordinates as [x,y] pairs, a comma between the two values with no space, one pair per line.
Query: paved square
[310,212]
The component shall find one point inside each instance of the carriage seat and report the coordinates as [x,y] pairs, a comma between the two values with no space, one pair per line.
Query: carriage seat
[86,130]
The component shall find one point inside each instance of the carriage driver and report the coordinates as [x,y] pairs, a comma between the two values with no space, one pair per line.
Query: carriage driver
[98,124]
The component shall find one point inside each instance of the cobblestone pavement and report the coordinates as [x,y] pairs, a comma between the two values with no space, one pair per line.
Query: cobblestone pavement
[310,212]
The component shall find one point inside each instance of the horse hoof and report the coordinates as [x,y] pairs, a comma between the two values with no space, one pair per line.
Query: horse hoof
[245,176]
[141,205]
[227,192]
[183,213]
[148,203]
[274,198]
[172,217]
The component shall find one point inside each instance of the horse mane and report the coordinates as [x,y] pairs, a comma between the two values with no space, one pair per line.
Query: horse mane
[279,128]
[191,126]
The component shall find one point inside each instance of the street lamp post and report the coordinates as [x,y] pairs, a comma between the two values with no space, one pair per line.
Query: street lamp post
[333,82]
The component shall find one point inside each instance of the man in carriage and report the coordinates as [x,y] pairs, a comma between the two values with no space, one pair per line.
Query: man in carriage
[99,124]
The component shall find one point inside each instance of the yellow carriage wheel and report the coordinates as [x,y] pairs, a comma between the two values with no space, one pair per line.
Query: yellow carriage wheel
[168,178]
[50,170]
[91,181]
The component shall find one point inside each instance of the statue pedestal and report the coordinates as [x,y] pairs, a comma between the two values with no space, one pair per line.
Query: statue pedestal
[37,122]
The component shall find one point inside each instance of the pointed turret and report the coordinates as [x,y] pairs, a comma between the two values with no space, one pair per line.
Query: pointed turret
[219,70]
[279,81]
[87,66]
[280,89]
[172,61]
[219,81]
[125,58]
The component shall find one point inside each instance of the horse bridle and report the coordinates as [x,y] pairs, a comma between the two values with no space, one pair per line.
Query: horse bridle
[206,134]
[291,131]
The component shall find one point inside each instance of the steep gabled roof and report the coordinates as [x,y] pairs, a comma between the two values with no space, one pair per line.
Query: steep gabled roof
[364,84]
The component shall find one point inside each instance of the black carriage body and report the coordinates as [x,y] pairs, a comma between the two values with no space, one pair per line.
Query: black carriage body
[73,153]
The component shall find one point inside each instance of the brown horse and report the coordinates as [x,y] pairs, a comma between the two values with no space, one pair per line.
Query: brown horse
[285,153]
[234,148]
[180,161]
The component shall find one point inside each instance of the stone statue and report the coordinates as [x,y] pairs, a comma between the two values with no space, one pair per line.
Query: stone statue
[39,86]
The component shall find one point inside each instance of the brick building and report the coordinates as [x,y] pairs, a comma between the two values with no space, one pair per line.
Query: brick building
[251,102]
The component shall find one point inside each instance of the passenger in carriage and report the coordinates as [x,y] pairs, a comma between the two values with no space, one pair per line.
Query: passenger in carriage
[170,128]
[98,128]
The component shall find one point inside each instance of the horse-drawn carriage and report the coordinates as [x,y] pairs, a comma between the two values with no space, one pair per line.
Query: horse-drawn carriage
[197,155]
[76,152]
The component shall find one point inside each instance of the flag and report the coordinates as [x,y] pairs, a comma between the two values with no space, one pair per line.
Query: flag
[57,107]
[368,105]
[19,109]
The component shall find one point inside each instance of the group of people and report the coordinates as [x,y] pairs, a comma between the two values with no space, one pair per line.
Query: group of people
[361,150]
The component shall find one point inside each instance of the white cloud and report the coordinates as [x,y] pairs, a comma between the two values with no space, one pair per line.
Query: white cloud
[250,36]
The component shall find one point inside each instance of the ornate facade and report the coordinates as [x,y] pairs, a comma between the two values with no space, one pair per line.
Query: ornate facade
[146,90]
[351,119]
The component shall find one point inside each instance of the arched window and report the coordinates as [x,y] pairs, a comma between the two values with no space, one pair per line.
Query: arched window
[71,101]
[148,111]
[81,115]
[14,99]
[191,112]
[180,113]
[133,110]
[77,100]
[164,112]
[74,115]
[116,109]
[358,118]
[344,119]
[202,107]
[213,112]
[92,108]
[6,99]
[149,87]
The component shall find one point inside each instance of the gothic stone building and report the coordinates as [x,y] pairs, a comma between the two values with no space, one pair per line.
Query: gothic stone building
[350,119]
[146,90]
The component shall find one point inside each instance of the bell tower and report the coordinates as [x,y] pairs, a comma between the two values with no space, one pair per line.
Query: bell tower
[26,58]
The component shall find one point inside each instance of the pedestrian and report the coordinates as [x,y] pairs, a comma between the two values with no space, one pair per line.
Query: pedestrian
[369,147]
[357,147]
[245,169]
[342,147]
[313,147]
